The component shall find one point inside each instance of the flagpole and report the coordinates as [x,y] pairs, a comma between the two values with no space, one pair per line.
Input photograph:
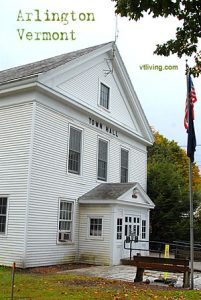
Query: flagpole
[190,194]
[191,227]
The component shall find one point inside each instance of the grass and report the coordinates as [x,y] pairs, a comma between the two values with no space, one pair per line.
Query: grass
[32,286]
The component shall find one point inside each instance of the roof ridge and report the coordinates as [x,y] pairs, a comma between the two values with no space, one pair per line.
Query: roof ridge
[44,65]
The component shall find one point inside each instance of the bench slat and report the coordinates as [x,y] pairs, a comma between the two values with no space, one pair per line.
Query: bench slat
[161,260]
[161,267]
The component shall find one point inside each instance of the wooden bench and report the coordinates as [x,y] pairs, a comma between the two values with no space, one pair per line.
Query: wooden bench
[161,264]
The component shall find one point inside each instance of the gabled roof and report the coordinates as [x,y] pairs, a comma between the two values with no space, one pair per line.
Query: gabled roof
[130,194]
[42,74]
[44,65]
[108,191]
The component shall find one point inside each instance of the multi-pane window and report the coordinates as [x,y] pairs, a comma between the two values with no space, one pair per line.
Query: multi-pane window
[96,227]
[143,229]
[102,160]
[136,226]
[132,226]
[128,226]
[104,96]
[3,213]
[119,228]
[124,165]
[65,221]
[74,159]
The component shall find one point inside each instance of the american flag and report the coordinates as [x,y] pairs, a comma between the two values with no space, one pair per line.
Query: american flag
[192,98]
[189,119]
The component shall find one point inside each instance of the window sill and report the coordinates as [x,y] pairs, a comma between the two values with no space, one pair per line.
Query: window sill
[97,238]
[3,235]
[101,181]
[66,243]
[104,108]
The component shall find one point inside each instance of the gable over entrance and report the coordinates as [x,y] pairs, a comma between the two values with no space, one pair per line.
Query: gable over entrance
[131,194]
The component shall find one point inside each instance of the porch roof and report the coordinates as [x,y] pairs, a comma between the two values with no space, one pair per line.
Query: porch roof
[108,191]
[130,194]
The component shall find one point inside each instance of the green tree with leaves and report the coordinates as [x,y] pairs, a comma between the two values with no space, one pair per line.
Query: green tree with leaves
[168,187]
[187,34]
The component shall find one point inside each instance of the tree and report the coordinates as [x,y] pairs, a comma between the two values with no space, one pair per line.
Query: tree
[168,187]
[187,35]
[163,149]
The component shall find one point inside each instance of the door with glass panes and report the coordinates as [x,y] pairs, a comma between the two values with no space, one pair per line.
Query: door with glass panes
[132,229]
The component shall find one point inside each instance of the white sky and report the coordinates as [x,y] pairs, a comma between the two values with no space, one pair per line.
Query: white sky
[161,93]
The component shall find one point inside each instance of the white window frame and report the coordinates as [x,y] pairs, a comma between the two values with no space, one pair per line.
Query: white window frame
[126,150]
[119,235]
[132,224]
[71,231]
[5,215]
[144,229]
[101,82]
[106,141]
[81,151]
[94,237]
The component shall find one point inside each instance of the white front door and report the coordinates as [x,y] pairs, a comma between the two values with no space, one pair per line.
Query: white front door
[132,231]
[130,225]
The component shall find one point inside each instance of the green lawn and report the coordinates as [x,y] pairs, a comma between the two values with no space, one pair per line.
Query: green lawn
[58,287]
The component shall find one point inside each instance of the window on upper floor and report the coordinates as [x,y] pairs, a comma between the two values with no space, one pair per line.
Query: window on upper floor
[124,165]
[75,148]
[102,159]
[3,214]
[104,95]
[65,221]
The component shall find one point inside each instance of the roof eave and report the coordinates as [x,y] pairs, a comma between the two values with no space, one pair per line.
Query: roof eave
[18,84]
[135,105]
[114,202]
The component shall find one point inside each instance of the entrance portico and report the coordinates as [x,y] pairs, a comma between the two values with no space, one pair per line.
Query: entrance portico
[117,210]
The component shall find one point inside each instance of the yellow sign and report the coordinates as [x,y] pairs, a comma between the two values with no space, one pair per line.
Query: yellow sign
[167,255]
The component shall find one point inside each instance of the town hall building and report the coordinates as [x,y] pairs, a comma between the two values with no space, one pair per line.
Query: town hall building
[73,161]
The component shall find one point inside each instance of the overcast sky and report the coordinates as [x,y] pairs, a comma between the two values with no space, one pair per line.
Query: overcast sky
[161,93]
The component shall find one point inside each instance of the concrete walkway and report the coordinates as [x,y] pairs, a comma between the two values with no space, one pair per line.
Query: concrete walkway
[127,273]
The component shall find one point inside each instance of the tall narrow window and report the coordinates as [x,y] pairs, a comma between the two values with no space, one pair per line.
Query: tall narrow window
[124,165]
[3,214]
[104,96]
[74,159]
[102,160]
[119,228]
[136,226]
[65,221]
[143,229]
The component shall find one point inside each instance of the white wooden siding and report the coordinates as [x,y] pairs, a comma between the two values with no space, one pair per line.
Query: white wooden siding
[95,250]
[15,132]
[50,180]
[138,167]
[85,88]
[48,184]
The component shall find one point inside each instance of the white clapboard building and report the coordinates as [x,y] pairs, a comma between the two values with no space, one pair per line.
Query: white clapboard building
[73,161]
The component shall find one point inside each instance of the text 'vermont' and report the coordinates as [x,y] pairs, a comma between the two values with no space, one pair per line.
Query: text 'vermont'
[64,18]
